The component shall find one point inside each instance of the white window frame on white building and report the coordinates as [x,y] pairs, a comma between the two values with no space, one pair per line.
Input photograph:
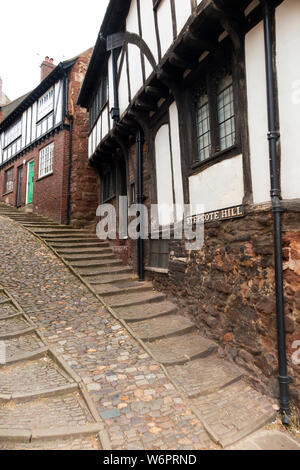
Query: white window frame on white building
[45,104]
[46,160]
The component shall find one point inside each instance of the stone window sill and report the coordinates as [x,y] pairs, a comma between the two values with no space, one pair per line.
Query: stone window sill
[45,176]
[157,270]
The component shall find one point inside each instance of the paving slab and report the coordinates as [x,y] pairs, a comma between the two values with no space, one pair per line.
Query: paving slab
[267,440]
[102,271]
[201,377]
[234,412]
[111,278]
[162,327]
[96,263]
[134,299]
[132,286]
[143,312]
[181,349]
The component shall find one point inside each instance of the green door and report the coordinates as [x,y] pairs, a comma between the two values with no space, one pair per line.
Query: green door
[30,182]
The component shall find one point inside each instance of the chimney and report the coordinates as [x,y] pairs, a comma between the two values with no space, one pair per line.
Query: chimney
[46,68]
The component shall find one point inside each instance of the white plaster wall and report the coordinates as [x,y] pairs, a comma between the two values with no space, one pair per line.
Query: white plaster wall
[165,27]
[24,129]
[135,69]
[105,128]
[123,89]
[148,67]
[33,131]
[132,25]
[183,10]
[176,157]
[163,173]
[220,186]
[257,113]
[58,105]
[288,74]
[28,136]
[148,27]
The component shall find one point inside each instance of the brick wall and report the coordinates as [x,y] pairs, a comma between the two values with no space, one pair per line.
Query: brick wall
[50,192]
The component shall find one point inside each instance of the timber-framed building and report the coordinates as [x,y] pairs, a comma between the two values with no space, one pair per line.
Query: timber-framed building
[181,112]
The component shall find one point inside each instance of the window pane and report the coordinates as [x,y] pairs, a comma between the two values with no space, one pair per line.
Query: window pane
[203,129]
[226,118]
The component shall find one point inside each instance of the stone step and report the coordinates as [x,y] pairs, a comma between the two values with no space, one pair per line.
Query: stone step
[51,414]
[181,349]
[233,413]
[110,279]
[29,379]
[121,288]
[71,245]
[37,225]
[65,236]
[162,327]
[89,256]
[84,251]
[22,345]
[102,273]
[134,299]
[53,232]
[13,325]
[75,241]
[144,312]
[96,263]
[201,377]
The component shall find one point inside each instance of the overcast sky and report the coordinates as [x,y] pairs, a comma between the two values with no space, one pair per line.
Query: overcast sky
[33,29]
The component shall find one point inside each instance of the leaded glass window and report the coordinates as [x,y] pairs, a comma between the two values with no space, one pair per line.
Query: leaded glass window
[226,118]
[203,128]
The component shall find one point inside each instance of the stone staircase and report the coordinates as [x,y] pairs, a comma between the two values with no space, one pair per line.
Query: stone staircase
[43,403]
[216,390]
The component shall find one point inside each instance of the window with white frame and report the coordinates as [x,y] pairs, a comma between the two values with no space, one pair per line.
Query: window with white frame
[13,133]
[46,160]
[45,104]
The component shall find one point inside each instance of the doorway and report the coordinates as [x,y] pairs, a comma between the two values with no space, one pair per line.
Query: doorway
[30,182]
[19,186]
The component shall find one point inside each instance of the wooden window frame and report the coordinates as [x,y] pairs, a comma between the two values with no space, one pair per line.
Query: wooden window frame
[111,174]
[99,100]
[206,78]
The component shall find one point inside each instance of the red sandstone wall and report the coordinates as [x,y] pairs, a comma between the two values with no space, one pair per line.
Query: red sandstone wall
[84,178]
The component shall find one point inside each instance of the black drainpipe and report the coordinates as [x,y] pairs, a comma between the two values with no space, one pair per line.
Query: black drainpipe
[140,200]
[273,138]
[70,150]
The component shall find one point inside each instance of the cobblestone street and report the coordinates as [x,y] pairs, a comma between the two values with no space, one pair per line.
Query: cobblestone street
[140,407]
[174,393]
